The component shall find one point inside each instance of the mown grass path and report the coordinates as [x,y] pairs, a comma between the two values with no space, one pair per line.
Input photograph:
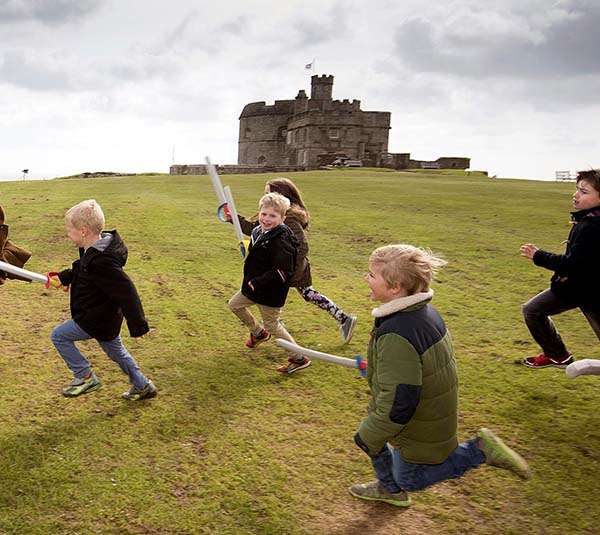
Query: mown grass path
[230,447]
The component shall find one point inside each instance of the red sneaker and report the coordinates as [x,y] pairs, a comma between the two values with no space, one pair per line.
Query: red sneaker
[542,361]
[253,341]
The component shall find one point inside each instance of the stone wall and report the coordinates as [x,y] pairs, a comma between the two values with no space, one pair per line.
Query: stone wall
[200,169]
[445,162]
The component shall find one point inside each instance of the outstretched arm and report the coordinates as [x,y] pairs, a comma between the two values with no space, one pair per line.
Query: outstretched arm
[528,250]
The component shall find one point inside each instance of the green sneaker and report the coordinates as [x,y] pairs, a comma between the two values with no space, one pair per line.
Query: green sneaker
[81,386]
[137,394]
[374,491]
[497,453]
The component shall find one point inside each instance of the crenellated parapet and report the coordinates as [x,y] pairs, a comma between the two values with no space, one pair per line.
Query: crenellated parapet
[321,87]
[345,105]
[280,107]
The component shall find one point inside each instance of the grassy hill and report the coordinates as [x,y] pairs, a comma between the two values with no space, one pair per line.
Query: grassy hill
[231,447]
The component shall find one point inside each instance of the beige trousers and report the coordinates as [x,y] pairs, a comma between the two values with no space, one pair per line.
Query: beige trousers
[239,304]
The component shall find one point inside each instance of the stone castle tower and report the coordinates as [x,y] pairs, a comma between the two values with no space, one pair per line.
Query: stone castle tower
[309,132]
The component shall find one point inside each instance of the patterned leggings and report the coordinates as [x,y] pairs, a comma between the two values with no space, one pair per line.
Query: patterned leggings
[311,295]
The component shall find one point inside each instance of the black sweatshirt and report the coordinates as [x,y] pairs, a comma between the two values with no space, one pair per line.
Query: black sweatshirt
[269,265]
[575,276]
[102,293]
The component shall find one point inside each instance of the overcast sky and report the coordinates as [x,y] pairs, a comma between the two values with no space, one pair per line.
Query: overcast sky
[114,85]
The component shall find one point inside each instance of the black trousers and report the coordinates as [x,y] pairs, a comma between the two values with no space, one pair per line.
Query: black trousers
[537,312]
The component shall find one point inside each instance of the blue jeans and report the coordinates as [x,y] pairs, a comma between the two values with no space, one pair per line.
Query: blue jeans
[64,337]
[395,474]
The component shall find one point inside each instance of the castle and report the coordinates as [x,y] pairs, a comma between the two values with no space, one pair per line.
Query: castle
[308,133]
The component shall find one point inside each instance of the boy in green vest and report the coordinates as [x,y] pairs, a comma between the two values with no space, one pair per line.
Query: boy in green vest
[410,433]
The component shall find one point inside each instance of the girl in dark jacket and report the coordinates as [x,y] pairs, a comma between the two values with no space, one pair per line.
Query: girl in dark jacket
[575,283]
[297,219]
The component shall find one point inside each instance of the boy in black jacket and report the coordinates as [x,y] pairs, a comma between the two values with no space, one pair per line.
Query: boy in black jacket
[101,294]
[268,269]
[575,283]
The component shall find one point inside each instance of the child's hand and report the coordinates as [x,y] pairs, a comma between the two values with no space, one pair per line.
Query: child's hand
[227,213]
[528,250]
[54,281]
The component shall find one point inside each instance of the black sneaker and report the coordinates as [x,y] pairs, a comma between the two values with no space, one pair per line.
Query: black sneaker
[294,365]
[137,394]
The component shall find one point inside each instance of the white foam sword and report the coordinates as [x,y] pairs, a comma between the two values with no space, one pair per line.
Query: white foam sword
[357,362]
[31,276]
[583,367]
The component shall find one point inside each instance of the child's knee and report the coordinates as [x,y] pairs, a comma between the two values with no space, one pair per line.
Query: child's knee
[529,309]
[232,305]
[56,335]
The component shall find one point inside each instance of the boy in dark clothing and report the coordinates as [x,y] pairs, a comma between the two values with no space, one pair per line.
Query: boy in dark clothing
[268,269]
[101,295]
[575,282]
[410,433]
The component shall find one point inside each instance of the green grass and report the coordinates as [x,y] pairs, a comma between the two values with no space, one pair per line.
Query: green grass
[230,447]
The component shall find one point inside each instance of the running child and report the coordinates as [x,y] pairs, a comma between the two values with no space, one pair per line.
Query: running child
[410,433]
[297,219]
[268,269]
[575,283]
[101,295]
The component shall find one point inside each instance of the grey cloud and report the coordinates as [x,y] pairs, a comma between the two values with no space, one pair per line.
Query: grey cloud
[331,25]
[49,12]
[20,70]
[53,72]
[235,26]
[142,67]
[567,46]
[192,33]
[178,32]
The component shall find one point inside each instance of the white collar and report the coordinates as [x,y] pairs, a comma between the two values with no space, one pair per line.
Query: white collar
[400,303]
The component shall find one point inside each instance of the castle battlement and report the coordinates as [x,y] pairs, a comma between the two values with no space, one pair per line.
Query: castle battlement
[323,78]
[279,107]
[345,105]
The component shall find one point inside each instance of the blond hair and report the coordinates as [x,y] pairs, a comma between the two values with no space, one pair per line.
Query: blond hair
[278,202]
[86,214]
[411,267]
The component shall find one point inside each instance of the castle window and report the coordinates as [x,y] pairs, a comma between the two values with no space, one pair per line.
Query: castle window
[281,133]
[261,160]
[289,137]
[247,132]
[334,133]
